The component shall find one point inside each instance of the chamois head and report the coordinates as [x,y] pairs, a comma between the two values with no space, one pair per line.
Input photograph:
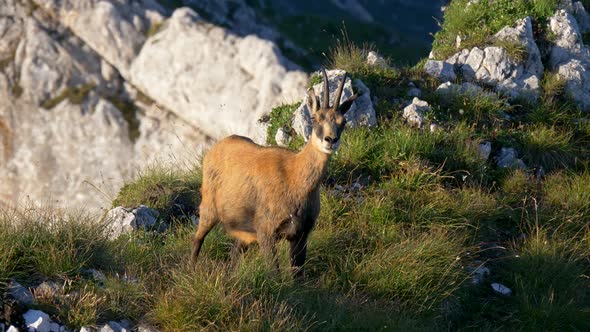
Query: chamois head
[328,121]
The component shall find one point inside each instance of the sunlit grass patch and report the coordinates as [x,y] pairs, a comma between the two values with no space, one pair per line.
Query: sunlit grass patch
[549,147]
[419,271]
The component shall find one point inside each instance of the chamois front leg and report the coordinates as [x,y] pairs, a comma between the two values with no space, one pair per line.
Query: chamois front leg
[298,252]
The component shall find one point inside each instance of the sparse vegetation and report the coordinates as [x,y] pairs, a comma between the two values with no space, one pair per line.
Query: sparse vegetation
[489,17]
[129,111]
[154,29]
[74,95]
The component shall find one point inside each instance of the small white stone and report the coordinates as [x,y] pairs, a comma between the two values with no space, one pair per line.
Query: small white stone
[283,138]
[484,150]
[479,274]
[501,289]
[434,127]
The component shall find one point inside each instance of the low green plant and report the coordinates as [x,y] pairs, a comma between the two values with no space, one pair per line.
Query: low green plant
[281,117]
[74,95]
[516,51]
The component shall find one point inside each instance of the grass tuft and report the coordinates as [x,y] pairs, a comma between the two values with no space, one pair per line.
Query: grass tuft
[174,194]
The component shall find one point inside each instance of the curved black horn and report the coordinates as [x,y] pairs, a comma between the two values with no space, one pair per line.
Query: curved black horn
[339,92]
[326,98]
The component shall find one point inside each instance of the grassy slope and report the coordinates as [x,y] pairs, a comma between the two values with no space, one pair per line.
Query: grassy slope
[395,255]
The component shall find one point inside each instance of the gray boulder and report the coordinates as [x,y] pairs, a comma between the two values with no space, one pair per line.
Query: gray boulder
[508,158]
[20,293]
[283,138]
[414,113]
[441,70]
[569,58]
[122,220]
[361,113]
[484,150]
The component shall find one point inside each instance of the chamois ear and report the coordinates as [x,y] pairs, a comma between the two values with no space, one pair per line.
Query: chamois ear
[312,101]
[345,106]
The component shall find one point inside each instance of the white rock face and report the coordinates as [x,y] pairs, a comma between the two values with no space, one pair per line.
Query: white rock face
[414,113]
[214,80]
[361,113]
[114,29]
[570,58]
[122,220]
[40,321]
[442,70]
[68,154]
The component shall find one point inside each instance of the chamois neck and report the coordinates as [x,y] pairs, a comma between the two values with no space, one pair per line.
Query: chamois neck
[310,166]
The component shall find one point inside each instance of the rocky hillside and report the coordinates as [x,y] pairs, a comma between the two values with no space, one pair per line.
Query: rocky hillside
[91,91]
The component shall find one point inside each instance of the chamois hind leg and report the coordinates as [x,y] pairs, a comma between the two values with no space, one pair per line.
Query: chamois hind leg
[268,245]
[298,252]
[206,223]
[238,249]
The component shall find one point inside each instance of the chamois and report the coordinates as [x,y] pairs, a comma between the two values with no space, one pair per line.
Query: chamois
[264,194]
